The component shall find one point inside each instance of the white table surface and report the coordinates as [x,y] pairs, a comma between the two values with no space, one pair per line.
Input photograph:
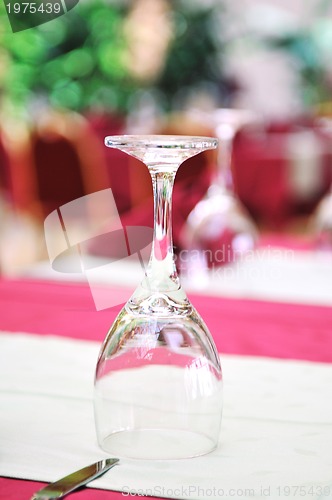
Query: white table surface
[269,273]
[275,440]
[276,436]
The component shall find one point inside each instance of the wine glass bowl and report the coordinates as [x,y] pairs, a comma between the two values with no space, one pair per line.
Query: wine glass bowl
[219,229]
[158,384]
[321,223]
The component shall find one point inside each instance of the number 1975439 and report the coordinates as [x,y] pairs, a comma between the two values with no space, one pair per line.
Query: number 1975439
[34,8]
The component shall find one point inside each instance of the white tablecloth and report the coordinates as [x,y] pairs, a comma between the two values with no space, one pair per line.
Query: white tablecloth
[268,273]
[275,441]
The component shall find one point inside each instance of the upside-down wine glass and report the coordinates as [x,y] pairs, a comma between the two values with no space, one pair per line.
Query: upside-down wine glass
[158,384]
[219,229]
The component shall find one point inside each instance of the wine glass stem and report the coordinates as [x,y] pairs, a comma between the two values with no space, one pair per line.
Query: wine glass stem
[162,272]
[224,171]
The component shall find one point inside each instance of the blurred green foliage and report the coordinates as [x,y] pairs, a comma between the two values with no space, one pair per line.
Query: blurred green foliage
[194,56]
[78,61]
[75,61]
[311,52]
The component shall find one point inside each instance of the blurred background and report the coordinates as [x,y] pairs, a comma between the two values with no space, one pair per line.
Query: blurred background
[144,66]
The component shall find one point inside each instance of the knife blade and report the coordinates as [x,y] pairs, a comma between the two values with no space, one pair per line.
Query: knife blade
[75,480]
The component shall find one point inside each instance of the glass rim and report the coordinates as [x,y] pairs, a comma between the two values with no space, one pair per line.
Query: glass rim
[161,141]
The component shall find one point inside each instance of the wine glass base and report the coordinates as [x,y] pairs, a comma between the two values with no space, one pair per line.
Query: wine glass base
[157,444]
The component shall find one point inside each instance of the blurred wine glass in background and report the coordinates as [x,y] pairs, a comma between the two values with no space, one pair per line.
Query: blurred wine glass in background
[321,221]
[219,229]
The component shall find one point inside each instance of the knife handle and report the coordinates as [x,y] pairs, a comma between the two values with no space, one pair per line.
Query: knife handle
[75,480]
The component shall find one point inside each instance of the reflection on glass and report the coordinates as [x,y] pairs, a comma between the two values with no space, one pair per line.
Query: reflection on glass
[158,383]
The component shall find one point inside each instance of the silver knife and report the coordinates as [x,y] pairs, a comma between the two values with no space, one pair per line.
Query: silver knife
[75,480]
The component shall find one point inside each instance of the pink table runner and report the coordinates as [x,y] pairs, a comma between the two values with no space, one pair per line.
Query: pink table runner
[245,327]
[239,326]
